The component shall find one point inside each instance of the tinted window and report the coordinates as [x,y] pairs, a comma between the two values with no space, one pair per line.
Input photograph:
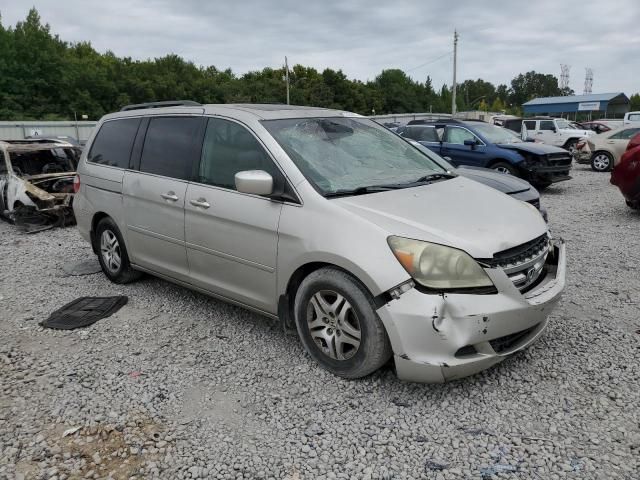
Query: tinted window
[530,124]
[625,134]
[112,145]
[169,146]
[230,148]
[421,134]
[458,135]
[547,125]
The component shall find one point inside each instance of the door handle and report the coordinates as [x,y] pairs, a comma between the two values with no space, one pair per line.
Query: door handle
[201,202]
[171,196]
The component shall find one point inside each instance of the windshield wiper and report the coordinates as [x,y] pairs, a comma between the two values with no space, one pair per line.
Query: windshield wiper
[434,176]
[361,190]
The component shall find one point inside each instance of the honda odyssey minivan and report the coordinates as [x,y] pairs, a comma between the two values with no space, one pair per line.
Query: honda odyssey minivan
[326,220]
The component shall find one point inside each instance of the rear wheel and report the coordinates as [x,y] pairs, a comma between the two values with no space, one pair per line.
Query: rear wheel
[601,161]
[504,167]
[338,325]
[112,253]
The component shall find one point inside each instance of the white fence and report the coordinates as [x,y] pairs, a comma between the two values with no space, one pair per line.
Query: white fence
[17,130]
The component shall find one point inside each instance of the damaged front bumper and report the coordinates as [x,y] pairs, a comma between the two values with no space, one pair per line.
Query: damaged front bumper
[436,338]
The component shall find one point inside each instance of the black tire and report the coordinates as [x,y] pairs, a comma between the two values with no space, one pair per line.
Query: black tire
[540,186]
[633,206]
[505,168]
[123,273]
[374,349]
[601,161]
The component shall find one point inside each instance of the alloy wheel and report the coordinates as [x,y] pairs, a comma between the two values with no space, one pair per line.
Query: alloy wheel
[110,251]
[333,325]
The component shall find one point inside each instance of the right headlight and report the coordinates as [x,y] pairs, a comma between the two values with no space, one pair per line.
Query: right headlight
[438,267]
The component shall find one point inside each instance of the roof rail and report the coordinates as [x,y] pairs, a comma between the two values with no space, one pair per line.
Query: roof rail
[168,103]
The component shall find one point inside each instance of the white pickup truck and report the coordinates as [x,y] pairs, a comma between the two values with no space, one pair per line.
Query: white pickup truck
[555,131]
[631,117]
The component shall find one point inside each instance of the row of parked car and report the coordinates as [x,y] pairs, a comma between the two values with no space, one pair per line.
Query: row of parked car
[539,149]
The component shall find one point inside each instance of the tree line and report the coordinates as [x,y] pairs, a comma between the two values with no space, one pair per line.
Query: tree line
[43,77]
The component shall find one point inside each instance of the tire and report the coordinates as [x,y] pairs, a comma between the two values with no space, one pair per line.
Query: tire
[506,168]
[112,253]
[540,186]
[334,312]
[633,206]
[601,161]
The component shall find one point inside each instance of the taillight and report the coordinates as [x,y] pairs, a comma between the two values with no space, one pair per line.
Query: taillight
[76,184]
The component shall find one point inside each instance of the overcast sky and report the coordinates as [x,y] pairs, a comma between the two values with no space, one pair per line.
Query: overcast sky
[498,39]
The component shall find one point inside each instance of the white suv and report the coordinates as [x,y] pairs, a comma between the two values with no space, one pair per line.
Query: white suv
[555,131]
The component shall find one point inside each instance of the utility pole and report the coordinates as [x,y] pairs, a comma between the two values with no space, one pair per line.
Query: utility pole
[455,60]
[286,75]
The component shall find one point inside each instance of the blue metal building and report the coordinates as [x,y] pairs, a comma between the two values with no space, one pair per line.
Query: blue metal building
[597,105]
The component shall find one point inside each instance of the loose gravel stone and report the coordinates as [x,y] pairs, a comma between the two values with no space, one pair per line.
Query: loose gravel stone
[179,385]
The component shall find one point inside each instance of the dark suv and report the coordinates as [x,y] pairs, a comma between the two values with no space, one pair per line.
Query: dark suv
[481,144]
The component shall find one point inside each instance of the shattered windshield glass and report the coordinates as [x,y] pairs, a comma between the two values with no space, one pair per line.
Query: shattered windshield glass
[42,162]
[340,154]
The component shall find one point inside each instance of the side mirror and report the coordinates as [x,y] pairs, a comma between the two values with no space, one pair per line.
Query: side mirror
[255,182]
[471,143]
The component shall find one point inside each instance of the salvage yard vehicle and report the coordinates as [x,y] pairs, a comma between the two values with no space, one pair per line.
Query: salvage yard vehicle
[626,174]
[509,184]
[481,144]
[36,183]
[328,221]
[603,151]
[549,130]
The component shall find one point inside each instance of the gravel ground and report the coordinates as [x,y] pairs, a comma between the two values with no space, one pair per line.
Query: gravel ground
[178,385]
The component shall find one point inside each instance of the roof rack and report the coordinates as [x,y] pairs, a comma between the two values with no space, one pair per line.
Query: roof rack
[168,103]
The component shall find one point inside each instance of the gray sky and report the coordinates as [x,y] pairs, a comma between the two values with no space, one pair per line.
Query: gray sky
[498,39]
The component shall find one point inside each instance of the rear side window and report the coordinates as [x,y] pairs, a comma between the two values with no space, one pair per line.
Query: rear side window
[113,143]
[530,124]
[625,134]
[170,145]
[422,134]
[230,148]
[547,125]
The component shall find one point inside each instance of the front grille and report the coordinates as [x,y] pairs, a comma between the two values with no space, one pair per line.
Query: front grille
[523,264]
[557,159]
[507,342]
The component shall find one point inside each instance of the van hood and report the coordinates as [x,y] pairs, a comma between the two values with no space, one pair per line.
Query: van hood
[458,212]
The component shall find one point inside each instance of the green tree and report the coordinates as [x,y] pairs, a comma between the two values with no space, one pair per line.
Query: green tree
[634,102]
[531,85]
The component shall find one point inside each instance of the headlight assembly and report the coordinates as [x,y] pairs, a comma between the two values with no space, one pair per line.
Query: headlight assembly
[438,267]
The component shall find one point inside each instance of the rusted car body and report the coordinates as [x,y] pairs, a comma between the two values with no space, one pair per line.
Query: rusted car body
[36,183]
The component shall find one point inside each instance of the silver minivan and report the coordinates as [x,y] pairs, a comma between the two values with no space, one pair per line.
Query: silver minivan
[328,221]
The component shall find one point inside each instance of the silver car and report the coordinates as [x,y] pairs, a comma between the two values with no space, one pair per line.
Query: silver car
[328,221]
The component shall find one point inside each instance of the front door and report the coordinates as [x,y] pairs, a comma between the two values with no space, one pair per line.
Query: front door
[453,146]
[232,237]
[547,133]
[154,196]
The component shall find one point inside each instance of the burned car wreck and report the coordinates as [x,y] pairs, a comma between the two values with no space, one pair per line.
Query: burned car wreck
[36,183]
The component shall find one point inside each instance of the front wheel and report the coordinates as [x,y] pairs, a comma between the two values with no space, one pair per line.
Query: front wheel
[338,325]
[504,167]
[601,162]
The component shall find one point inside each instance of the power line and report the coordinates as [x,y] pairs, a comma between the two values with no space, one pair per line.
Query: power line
[429,62]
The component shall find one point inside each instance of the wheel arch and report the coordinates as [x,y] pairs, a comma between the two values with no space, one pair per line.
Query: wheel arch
[287,297]
[94,223]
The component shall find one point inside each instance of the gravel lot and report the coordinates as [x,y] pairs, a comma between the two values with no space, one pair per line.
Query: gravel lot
[178,385]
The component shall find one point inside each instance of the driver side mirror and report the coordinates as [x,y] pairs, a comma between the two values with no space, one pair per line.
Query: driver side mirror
[254,182]
[471,143]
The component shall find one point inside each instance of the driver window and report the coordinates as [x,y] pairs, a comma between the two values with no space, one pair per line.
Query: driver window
[230,148]
[458,135]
